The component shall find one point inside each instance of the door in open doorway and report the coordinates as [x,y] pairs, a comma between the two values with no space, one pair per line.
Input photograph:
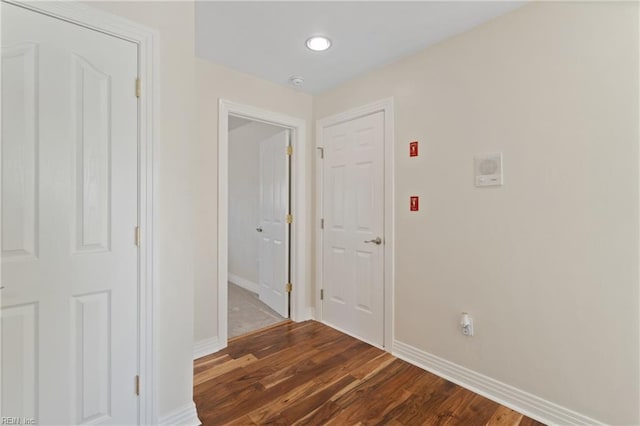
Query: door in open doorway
[259,233]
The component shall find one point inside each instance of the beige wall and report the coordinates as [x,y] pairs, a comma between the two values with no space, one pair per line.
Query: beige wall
[216,82]
[548,263]
[174,155]
[244,198]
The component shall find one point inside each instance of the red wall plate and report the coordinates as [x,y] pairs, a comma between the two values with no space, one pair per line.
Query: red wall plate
[413,149]
[414,203]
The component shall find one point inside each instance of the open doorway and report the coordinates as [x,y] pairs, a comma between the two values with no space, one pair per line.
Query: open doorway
[258,229]
[300,226]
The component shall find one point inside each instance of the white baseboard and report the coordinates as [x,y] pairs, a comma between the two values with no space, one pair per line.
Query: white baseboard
[206,347]
[185,416]
[308,314]
[244,283]
[312,313]
[530,405]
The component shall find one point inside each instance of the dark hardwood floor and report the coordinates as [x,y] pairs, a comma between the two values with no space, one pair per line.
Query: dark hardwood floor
[308,373]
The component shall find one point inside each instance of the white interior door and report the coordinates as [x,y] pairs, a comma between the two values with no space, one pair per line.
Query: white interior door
[353,212]
[69,211]
[273,229]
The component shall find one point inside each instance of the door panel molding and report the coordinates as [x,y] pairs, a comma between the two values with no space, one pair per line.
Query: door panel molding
[90,380]
[92,103]
[148,48]
[300,207]
[386,106]
[20,362]
[20,225]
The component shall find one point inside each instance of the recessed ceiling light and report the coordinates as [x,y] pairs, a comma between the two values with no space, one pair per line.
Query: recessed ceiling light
[318,43]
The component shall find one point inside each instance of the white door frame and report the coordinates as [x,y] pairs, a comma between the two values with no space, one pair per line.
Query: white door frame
[145,38]
[300,249]
[386,106]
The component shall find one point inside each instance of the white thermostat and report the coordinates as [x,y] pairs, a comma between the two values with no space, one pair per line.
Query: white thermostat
[488,169]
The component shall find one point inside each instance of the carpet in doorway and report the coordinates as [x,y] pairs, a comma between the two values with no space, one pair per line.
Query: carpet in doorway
[247,312]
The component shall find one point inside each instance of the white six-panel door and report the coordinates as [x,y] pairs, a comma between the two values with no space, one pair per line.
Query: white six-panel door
[353,213]
[69,211]
[273,228]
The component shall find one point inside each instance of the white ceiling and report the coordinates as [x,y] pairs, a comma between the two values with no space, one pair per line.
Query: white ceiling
[267,39]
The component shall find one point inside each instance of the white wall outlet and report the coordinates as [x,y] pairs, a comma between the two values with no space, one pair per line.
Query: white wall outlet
[466,324]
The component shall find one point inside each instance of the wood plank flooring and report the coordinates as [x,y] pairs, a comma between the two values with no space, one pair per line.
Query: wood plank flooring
[310,374]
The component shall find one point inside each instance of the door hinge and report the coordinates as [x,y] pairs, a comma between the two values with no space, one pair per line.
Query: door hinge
[137,236]
[289,218]
[321,149]
[138,87]
[321,294]
[289,287]
[321,223]
[289,150]
[137,385]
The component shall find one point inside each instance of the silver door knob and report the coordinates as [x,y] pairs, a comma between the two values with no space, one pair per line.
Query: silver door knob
[259,229]
[377,241]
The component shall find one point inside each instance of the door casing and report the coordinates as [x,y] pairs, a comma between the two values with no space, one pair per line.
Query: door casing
[145,38]
[386,106]
[300,247]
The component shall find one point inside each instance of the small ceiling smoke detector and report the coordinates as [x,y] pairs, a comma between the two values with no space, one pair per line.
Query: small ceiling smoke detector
[318,43]
[296,80]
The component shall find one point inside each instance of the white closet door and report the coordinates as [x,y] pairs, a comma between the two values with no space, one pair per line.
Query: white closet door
[69,211]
